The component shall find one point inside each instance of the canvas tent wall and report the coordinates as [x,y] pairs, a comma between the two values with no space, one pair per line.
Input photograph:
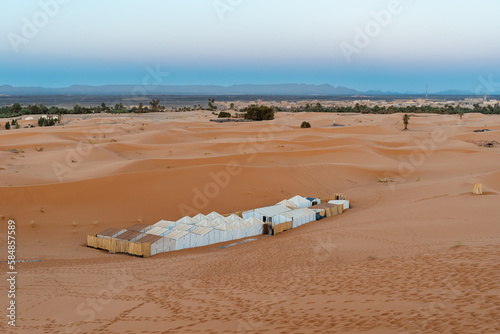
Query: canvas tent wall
[227,232]
[267,214]
[258,225]
[182,239]
[204,236]
[300,202]
[314,201]
[157,243]
[299,217]
[325,210]
[344,203]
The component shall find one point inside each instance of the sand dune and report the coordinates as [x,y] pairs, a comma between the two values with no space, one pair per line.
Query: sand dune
[417,255]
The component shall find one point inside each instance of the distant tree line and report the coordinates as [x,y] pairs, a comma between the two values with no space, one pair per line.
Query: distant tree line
[252,112]
[363,109]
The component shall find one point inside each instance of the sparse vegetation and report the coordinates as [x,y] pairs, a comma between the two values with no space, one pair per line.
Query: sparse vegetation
[406,120]
[258,113]
[224,114]
[305,125]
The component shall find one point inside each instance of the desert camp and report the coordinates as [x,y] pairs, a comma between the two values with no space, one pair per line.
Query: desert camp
[213,228]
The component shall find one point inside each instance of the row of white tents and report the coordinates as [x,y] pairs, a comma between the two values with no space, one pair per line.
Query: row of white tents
[203,230]
[200,230]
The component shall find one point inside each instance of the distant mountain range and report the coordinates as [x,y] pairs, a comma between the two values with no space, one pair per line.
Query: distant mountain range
[276,89]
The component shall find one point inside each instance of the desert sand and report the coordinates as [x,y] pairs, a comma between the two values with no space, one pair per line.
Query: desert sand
[417,255]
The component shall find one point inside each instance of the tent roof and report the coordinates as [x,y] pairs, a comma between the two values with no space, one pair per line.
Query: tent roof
[176,235]
[109,232]
[149,238]
[233,218]
[225,227]
[187,220]
[214,215]
[299,199]
[254,221]
[288,204]
[184,227]
[202,230]
[206,223]
[158,231]
[128,235]
[137,228]
[274,210]
[199,217]
[164,223]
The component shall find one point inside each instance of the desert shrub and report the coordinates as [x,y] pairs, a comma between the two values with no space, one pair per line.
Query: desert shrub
[224,114]
[305,125]
[259,113]
[7,126]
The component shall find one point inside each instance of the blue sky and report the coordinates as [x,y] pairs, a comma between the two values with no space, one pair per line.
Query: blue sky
[447,44]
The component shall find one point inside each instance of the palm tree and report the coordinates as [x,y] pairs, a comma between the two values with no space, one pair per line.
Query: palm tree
[406,120]
[154,105]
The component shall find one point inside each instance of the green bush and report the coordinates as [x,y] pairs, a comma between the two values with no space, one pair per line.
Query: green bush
[257,113]
[224,114]
[305,125]
[7,126]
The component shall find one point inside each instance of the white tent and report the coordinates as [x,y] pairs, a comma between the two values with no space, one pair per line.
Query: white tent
[233,218]
[166,224]
[344,203]
[184,227]
[218,221]
[207,223]
[159,231]
[187,220]
[258,225]
[288,204]
[214,215]
[199,217]
[243,230]
[227,232]
[182,239]
[300,202]
[267,214]
[204,236]
[300,217]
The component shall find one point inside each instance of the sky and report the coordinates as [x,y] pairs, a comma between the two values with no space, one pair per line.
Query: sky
[389,45]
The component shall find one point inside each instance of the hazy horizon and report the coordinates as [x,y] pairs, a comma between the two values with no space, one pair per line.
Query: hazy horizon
[403,46]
